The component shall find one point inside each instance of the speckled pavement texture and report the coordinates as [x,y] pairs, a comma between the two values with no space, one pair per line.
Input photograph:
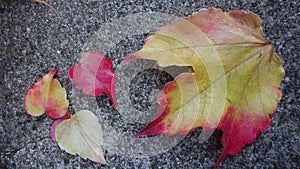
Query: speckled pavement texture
[34,40]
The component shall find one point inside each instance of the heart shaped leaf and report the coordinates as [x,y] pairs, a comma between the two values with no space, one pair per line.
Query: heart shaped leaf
[82,135]
[94,75]
[47,96]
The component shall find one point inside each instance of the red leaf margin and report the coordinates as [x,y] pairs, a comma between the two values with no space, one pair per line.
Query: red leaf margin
[240,128]
[53,126]
[49,110]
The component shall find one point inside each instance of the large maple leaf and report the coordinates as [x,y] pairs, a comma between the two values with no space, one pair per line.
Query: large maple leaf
[234,80]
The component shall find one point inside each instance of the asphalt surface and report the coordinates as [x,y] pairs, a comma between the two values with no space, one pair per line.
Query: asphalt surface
[34,40]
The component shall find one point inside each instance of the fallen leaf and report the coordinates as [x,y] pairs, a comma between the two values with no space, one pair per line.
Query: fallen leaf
[82,135]
[53,126]
[234,80]
[94,75]
[47,96]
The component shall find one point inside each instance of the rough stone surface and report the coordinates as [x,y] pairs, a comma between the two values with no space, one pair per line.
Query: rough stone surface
[34,40]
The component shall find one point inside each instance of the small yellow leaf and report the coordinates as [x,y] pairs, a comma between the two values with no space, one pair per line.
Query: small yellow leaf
[82,135]
[47,96]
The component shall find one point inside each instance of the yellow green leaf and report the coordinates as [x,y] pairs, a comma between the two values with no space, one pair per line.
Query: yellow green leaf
[82,135]
[235,76]
[47,96]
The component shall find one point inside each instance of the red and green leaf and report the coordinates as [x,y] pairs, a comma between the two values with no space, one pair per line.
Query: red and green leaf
[94,75]
[234,81]
[47,96]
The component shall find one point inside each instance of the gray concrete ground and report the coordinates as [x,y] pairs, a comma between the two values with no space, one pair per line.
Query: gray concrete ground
[34,40]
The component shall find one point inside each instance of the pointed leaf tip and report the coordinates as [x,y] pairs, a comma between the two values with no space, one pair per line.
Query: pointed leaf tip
[240,128]
[94,75]
[47,96]
[152,128]
[54,71]
[128,58]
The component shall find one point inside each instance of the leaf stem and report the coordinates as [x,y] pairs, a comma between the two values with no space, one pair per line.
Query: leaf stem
[47,4]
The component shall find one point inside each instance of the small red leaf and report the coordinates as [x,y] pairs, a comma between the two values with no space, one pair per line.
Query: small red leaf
[240,128]
[94,75]
[47,96]
[53,126]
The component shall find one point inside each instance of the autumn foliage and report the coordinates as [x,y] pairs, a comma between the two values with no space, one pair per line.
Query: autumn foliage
[233,84]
